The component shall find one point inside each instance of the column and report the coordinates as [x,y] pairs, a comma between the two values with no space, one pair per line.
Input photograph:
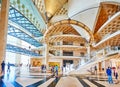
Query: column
[46,55]
[75,62]
[88,52]
[3,28]
[82,61]
[103,65]
[103,52]
[100,66]
[18,58]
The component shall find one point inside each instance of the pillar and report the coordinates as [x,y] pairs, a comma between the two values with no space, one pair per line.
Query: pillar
[100,66]
[104,52]
[46,55]
[18,56]
[3,28]
[82,61]
[18,59]
[103,65]
[88,52]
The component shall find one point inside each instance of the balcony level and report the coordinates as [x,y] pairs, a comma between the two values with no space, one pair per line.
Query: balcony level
[68,47]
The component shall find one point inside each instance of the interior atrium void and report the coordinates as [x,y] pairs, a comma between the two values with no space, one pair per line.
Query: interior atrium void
[59,43]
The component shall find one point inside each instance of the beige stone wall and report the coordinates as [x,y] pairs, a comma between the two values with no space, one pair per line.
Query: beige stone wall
[76,43]
[76,62]
[77,52]
[107,63]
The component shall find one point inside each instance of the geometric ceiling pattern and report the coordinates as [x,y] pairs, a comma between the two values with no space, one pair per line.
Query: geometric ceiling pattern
[23,36]
[49,10]
[111,27]
[112,40]
[16,49]
[18,18]
[106,11]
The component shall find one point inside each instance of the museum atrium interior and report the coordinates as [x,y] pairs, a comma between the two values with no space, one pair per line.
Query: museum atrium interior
[75,35]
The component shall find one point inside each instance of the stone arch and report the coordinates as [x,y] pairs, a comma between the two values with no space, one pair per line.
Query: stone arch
[69,21]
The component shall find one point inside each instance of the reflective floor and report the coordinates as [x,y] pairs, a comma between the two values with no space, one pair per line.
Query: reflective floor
[21,77]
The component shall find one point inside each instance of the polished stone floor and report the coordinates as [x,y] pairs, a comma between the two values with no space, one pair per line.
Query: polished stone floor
[21,77]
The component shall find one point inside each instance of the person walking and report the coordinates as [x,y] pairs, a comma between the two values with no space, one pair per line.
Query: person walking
[3,67]
[116,77]
[95,68]
[8,69]
[56,70]
[62,69]
[52,70]
[109,74]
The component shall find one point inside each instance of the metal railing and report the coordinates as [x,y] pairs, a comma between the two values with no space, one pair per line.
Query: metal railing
[112,50]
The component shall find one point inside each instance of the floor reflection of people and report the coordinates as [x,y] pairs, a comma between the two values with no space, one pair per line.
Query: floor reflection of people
[8,76]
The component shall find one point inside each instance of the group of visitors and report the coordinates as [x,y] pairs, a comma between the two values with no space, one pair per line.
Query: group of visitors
[109,74]
[54,70]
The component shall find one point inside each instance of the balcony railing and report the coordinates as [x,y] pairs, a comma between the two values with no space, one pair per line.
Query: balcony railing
[106,51]
[96,56]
